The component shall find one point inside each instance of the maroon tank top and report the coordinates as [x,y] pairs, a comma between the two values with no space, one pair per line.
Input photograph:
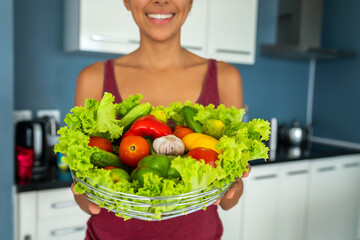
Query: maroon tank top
[200,225]
[209,93]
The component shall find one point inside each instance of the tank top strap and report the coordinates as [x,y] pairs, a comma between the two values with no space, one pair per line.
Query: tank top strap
[110,81]
[210,92]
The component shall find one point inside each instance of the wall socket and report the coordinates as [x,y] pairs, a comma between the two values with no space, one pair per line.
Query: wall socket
[22,115]
[52,113]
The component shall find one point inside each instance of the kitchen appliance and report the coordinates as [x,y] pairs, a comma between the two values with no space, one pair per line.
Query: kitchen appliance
[294,134]
[298,32]
[32,135]
[273,141]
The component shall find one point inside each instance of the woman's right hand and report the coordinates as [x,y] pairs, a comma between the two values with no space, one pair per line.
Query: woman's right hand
[86,205]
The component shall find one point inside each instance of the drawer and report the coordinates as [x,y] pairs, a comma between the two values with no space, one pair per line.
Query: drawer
[57,203]
[65,228]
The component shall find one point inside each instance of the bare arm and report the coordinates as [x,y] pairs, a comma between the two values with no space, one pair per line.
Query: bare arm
[89,84]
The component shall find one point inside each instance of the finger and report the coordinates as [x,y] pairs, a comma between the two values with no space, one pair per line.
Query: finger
[72,189]
[217,202]
[93,208]
[246,174]
[236,188]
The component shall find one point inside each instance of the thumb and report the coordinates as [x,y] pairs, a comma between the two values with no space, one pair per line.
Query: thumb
[93,208]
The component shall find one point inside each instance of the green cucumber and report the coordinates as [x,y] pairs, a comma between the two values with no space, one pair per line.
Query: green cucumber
[135,113]
[188,114]
[103,158]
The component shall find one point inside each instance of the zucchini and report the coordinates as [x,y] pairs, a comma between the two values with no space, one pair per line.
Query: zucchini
[103,158]
[188,114]
[135,113]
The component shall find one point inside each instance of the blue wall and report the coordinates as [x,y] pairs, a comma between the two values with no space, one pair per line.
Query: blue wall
[337,88]
[6,120]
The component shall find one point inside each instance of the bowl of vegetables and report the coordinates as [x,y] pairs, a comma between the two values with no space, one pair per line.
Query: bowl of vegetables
[154,162]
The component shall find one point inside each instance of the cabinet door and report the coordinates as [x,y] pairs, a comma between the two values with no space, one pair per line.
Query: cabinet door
[260,200]
[321,220]
[194,31]
[348,189]
[64,228]
[26,219]
[232,221]
[100,26]
[232,30]
[291,206]
[334,198]
[57,203]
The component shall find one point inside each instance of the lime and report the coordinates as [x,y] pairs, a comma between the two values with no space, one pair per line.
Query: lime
[214,128]
[159,114]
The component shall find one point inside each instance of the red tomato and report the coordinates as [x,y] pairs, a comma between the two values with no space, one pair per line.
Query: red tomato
[101,143]
[132,149]
[178,127]
[182,132]
[209,155]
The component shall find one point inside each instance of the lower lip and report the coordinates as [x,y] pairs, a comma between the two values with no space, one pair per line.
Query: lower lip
[160,22]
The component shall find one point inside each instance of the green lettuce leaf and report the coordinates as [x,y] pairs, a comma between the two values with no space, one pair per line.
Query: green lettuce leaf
[196,174]
[96,118]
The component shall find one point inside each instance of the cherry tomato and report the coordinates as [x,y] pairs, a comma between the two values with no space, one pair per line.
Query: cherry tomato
[132,149]
[182,132]
[209,155]
[101,143]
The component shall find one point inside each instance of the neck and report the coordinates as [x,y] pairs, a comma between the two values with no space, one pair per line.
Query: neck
[160,55]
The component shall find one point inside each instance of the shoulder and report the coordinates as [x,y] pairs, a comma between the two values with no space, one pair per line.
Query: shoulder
[89,83]
[228,73]
[229,84]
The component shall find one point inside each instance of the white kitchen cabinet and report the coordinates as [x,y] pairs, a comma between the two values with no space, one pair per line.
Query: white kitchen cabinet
[48,215]
[26,219]
[334,198]
[99,26]
[291,202]
[232,30]
[194,31]
[260,201]
[232,221]
[224,30]
[275,201]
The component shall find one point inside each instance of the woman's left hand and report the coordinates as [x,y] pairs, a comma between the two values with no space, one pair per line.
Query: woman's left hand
[231,197]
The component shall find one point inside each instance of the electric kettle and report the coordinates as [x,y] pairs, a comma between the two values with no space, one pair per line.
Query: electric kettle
[32,135]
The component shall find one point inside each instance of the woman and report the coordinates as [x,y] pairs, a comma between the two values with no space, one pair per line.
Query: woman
[163,72]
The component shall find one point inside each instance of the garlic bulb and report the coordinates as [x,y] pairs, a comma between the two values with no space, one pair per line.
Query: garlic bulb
[169,145]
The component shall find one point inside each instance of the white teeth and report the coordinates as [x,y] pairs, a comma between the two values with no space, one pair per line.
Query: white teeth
[160,16]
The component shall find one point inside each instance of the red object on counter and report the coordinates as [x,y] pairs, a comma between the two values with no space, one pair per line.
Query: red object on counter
[24,162]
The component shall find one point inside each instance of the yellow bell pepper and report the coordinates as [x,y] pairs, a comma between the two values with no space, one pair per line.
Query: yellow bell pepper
[194,140]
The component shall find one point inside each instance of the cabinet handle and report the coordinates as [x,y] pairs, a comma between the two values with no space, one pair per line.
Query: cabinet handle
[27,237]
[326,169]
[351,165]
[101,38]
[66,231]
[233,51]
[192,47]
[265,177]
[63,204]
[298,172]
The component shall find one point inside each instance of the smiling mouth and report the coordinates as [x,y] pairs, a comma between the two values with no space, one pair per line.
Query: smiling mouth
[160,16]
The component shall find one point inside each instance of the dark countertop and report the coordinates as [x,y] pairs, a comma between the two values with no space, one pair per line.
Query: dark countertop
[57,178]
[286,153]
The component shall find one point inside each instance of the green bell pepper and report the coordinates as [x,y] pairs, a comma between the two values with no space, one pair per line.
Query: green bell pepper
[157,164]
